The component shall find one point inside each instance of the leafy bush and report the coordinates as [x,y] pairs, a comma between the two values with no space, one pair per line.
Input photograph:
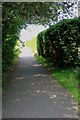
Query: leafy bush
[12,24]
[40,44]
[60,42]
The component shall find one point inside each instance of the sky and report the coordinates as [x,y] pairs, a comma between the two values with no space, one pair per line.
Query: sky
[30,32]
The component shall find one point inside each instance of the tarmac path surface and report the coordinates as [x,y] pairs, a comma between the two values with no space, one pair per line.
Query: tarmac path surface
[33,93]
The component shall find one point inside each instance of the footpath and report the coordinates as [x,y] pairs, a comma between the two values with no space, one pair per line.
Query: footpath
[33,93]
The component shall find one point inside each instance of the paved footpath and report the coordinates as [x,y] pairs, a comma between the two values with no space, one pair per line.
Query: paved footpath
[33,93]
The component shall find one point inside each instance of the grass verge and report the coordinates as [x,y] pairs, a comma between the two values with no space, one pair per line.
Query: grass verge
[68,78]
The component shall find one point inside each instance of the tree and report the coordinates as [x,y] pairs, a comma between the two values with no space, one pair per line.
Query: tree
[17,15]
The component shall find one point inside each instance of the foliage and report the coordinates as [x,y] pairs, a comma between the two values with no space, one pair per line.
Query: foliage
[41,59]
[60,43]
[40,44]
[16,51]
[17,48]
[10,35]
[17,15]
[68,79]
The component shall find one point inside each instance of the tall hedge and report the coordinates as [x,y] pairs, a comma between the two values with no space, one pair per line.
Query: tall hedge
[41,44]
[61,42]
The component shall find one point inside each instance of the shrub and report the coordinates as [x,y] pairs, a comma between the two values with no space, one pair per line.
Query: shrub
[40,44]
[61,42]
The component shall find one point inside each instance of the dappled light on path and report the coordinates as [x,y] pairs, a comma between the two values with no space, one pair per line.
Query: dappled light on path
[20,78]
[40,75]
[26,51]
[37,65]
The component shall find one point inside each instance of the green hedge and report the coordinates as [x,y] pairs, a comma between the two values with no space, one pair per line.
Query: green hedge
[40,44]
[12,24]
[60,42]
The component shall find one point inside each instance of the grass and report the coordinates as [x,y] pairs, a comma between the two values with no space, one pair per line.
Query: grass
[68,78]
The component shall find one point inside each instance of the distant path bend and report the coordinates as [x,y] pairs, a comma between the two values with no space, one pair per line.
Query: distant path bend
[33,93]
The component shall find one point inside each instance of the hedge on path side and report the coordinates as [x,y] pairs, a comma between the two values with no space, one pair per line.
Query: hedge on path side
[60,42]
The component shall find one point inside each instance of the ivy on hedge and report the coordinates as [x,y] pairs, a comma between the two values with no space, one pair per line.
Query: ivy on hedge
[59,43]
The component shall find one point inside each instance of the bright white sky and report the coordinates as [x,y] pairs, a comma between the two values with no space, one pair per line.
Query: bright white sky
[30,32]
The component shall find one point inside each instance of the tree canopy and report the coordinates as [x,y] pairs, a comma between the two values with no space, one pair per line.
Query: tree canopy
[36,12]
[17,15]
